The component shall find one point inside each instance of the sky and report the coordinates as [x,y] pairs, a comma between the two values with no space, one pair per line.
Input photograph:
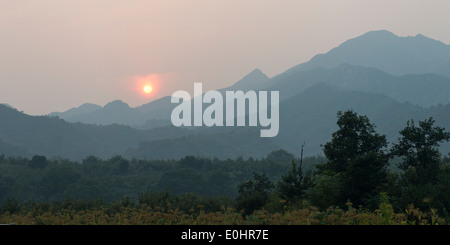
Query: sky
[59,54]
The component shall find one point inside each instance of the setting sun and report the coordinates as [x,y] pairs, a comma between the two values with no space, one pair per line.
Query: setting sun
[148,89]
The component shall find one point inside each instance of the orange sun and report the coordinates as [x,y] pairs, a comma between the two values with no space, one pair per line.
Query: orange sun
[147,89]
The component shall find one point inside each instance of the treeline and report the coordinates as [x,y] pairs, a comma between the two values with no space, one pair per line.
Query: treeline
[40,179]
[359,181]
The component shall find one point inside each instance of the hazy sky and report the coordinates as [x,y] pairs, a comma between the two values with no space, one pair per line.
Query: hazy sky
[59,54]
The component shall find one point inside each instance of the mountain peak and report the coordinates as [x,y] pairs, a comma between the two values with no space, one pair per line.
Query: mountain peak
[252,80]
[256,71]
[379,33]
[383,37]
[116,104]
[7,105]
[75,111]
[256,74]
[371,38]
[385,51]
[89,106]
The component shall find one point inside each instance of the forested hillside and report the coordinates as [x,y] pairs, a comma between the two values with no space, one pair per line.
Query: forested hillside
[360,180]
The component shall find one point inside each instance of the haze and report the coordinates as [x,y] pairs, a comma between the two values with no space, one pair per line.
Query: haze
[58,54]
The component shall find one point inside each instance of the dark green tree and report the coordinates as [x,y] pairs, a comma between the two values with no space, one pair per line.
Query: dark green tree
[56,180]
[356,157]
[121,163]
[38,162]
[290,187]
[419,149]
[325,191]
[355,137]
[364,179]
[254,193]
[293,185]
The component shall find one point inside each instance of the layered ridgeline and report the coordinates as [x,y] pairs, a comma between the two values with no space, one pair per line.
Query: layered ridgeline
[151,115]
[387,52]
[308,117]
[24,135]
[154,114]
[424,90]
[414,69]
[391,79]
[388,78]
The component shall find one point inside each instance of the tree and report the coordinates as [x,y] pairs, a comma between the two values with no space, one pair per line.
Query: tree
[291,187]
[38,162]
[57,179]
[254,193]
[325,191]
[364,179]
[418,146]
[356,136]
[357,157]
[121,163]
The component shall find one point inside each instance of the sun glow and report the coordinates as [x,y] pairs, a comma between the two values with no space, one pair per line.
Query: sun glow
[147,86]
[147,89]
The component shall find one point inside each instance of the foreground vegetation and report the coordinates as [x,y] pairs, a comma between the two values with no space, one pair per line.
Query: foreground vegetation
[76,212]
[354,184]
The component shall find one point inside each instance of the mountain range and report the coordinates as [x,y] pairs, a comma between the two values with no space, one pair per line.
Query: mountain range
[387,52]
[390,79]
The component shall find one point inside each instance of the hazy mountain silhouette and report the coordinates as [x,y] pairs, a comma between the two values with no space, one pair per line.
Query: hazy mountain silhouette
[151,115]
[54,137]
[115,112]
[76,111]
[390,79]
[385,51]
[307,117]
[8,105]
[11,150]
[424,90]
[25,135]
[311,115]
[407,62]
[255,79]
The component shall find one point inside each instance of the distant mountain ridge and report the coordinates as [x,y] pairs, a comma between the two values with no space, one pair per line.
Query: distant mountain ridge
[423,89]
[8,105]
[387,52]
[83,109]
[153,114]
[255,79]
[390,79]
[24,135]
[308,117]
[414,69]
